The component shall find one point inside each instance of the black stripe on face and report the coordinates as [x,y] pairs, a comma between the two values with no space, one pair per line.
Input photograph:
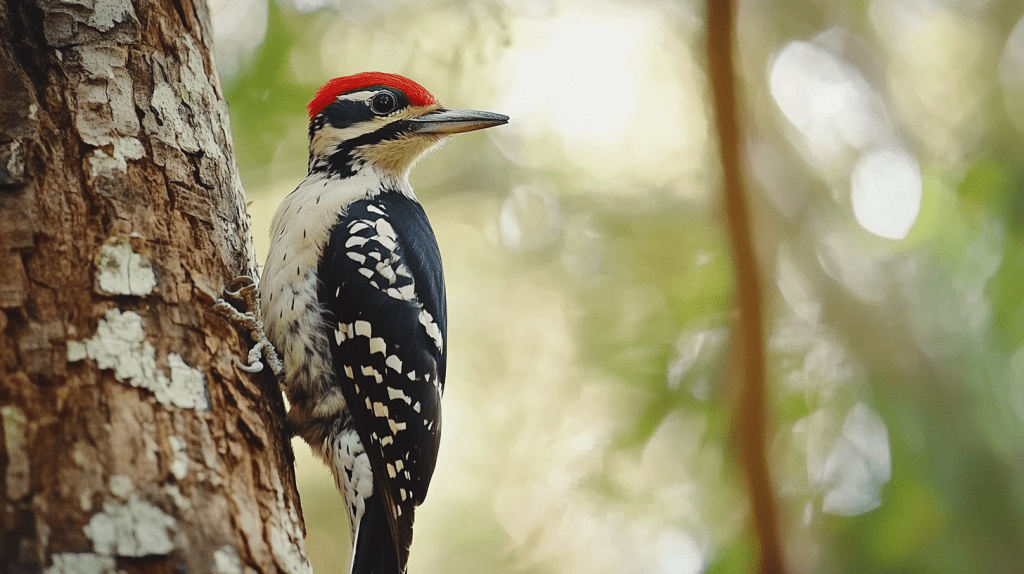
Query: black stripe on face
[343,163]
[343,113]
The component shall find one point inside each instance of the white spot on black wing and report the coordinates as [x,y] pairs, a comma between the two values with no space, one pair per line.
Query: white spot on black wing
[377,345]
[394,362]
[363,328]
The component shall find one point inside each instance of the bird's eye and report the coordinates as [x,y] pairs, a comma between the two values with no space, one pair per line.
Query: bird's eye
[383,103]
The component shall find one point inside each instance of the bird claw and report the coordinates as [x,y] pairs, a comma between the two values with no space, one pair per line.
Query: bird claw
[255,367]
[243,290]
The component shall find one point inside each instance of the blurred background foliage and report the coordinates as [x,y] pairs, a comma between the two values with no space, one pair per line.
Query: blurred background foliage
[588,414]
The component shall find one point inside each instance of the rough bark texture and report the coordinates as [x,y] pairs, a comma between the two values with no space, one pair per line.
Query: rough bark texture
[130,441]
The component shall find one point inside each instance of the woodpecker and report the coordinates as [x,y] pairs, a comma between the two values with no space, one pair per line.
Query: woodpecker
[354,301]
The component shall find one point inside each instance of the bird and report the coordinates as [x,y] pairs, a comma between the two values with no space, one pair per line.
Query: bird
[353,299]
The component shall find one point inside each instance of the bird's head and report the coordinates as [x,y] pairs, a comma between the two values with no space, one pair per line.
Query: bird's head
[381,120]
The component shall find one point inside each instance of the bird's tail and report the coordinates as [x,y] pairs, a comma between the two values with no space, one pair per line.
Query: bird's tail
[373,550]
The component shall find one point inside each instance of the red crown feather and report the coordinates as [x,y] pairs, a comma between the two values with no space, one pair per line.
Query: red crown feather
[417,94]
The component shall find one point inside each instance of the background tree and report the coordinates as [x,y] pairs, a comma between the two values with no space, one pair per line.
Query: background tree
[131,441]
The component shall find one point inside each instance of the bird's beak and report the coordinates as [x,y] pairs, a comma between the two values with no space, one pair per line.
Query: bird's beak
[455,121]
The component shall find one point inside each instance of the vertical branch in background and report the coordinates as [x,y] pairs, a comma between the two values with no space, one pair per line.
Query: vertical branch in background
[751,417]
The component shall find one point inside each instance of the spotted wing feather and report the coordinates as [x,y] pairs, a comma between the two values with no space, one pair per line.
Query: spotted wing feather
[383,293]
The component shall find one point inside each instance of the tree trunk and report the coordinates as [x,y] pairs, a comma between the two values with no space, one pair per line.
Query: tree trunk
[131,442]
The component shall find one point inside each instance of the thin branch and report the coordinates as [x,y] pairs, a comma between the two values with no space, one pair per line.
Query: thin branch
[751,410]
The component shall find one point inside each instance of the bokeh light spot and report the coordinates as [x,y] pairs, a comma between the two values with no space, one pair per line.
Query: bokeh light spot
[886,192]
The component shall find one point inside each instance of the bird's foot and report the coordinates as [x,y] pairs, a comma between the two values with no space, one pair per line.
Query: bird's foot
[242,290]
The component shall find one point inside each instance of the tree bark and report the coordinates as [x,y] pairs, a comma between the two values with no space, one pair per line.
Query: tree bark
[131,442]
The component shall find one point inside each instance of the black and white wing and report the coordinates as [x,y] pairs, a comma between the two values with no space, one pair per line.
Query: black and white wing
[382,289]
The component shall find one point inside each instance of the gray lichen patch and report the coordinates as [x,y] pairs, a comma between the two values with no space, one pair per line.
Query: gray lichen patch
[286,538]
[12,164]
[188,117]
[289,552]
[81,563]
[120,344]
[226,561]
[136,528]
[121,486]
[186,379]
[105,106]
[199,93]
[179,466]
[108,13]
[174,493]
[101,163]
[82,21]
[122,271]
